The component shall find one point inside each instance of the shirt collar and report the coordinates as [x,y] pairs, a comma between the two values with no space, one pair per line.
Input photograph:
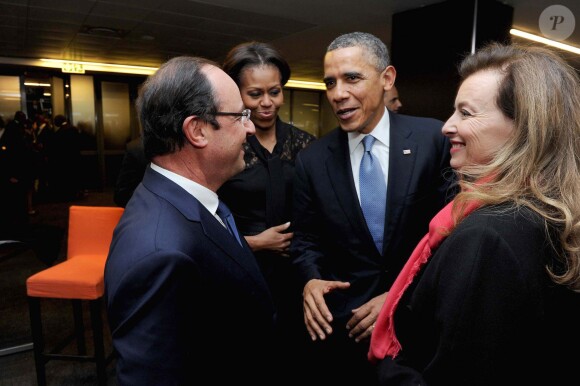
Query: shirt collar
[208,198]
[381,132]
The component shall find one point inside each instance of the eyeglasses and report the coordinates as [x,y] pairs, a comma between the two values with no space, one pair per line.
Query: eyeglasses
[245,114]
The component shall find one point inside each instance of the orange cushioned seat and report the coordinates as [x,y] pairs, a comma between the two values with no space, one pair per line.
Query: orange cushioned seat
[79,278]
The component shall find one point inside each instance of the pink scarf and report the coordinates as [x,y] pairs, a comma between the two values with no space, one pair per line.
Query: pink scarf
[383,339]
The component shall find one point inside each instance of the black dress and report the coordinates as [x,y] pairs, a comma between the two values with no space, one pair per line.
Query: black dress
[261,197]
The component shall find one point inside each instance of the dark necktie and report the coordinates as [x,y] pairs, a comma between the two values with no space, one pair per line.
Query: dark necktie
[373,193]
[226,215]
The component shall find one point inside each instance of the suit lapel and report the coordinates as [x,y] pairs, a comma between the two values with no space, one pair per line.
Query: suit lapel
[194,211]
[402,157]
[224,240]
[340,174]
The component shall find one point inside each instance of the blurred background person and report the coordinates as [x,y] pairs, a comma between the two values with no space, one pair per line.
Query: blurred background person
[31,164]
[131,173]
[13,204]
[43,133]
[260,197]
[497,302]
[87,144]
[392,101]
[17,122]
[65,161]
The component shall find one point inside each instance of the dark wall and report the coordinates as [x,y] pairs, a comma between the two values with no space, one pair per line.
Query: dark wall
[428,43]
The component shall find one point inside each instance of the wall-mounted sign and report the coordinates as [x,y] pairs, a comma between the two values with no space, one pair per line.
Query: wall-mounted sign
[73,68]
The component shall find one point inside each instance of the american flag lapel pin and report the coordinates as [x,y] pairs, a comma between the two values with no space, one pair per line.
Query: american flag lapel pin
[407,151]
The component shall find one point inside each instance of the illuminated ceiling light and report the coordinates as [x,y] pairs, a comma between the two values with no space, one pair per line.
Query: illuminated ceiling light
[128,69]
[33,84]
[305,85]
[90,66]
[102,67]
[548,42]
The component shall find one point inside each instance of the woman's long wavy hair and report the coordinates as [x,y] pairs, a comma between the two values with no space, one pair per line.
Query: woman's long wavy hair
[539,167]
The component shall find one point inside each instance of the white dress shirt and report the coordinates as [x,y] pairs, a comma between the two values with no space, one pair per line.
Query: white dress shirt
[380,149]
[208,198]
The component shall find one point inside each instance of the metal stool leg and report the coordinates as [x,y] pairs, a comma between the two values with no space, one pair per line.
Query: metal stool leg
[37,340]
[97,324]
[79,326]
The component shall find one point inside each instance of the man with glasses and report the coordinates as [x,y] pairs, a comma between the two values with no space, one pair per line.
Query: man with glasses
[186,301]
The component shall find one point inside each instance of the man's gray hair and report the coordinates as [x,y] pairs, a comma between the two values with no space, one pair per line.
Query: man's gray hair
[377,50]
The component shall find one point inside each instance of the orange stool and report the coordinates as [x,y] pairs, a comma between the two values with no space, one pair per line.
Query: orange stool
[79,278]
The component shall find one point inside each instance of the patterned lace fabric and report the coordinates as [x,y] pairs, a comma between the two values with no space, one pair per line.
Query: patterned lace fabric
[292,142]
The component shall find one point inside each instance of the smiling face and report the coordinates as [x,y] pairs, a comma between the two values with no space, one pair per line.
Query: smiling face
[262,93]
[355,88]
[478,128]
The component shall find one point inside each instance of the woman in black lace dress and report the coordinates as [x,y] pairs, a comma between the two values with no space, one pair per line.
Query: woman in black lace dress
[260,197]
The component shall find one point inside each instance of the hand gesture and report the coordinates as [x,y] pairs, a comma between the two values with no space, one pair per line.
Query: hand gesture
[362,322]
[317,317]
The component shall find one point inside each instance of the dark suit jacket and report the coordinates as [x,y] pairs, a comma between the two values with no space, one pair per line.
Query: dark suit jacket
[484,312]
[185,301]
[331,239]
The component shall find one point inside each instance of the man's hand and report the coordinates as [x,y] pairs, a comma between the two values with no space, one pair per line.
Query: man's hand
[317,317]
[362,323]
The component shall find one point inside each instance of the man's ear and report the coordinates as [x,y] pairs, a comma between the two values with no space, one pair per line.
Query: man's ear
[389,75]
[195,131]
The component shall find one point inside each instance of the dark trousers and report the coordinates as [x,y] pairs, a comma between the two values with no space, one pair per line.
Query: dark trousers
[340,360]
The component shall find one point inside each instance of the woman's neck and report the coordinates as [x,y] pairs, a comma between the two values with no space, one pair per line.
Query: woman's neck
[267,137]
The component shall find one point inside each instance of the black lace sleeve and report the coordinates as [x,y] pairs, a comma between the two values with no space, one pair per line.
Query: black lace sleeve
[296,140]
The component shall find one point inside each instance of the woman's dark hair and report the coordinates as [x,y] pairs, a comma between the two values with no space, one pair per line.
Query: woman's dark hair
[252,54]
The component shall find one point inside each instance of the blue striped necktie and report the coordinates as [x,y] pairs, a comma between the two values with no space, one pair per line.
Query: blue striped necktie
[373,193]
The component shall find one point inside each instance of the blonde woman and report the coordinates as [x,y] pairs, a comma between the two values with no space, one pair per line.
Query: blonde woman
[491,295]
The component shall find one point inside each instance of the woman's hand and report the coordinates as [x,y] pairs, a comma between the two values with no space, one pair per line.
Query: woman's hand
[272,239]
